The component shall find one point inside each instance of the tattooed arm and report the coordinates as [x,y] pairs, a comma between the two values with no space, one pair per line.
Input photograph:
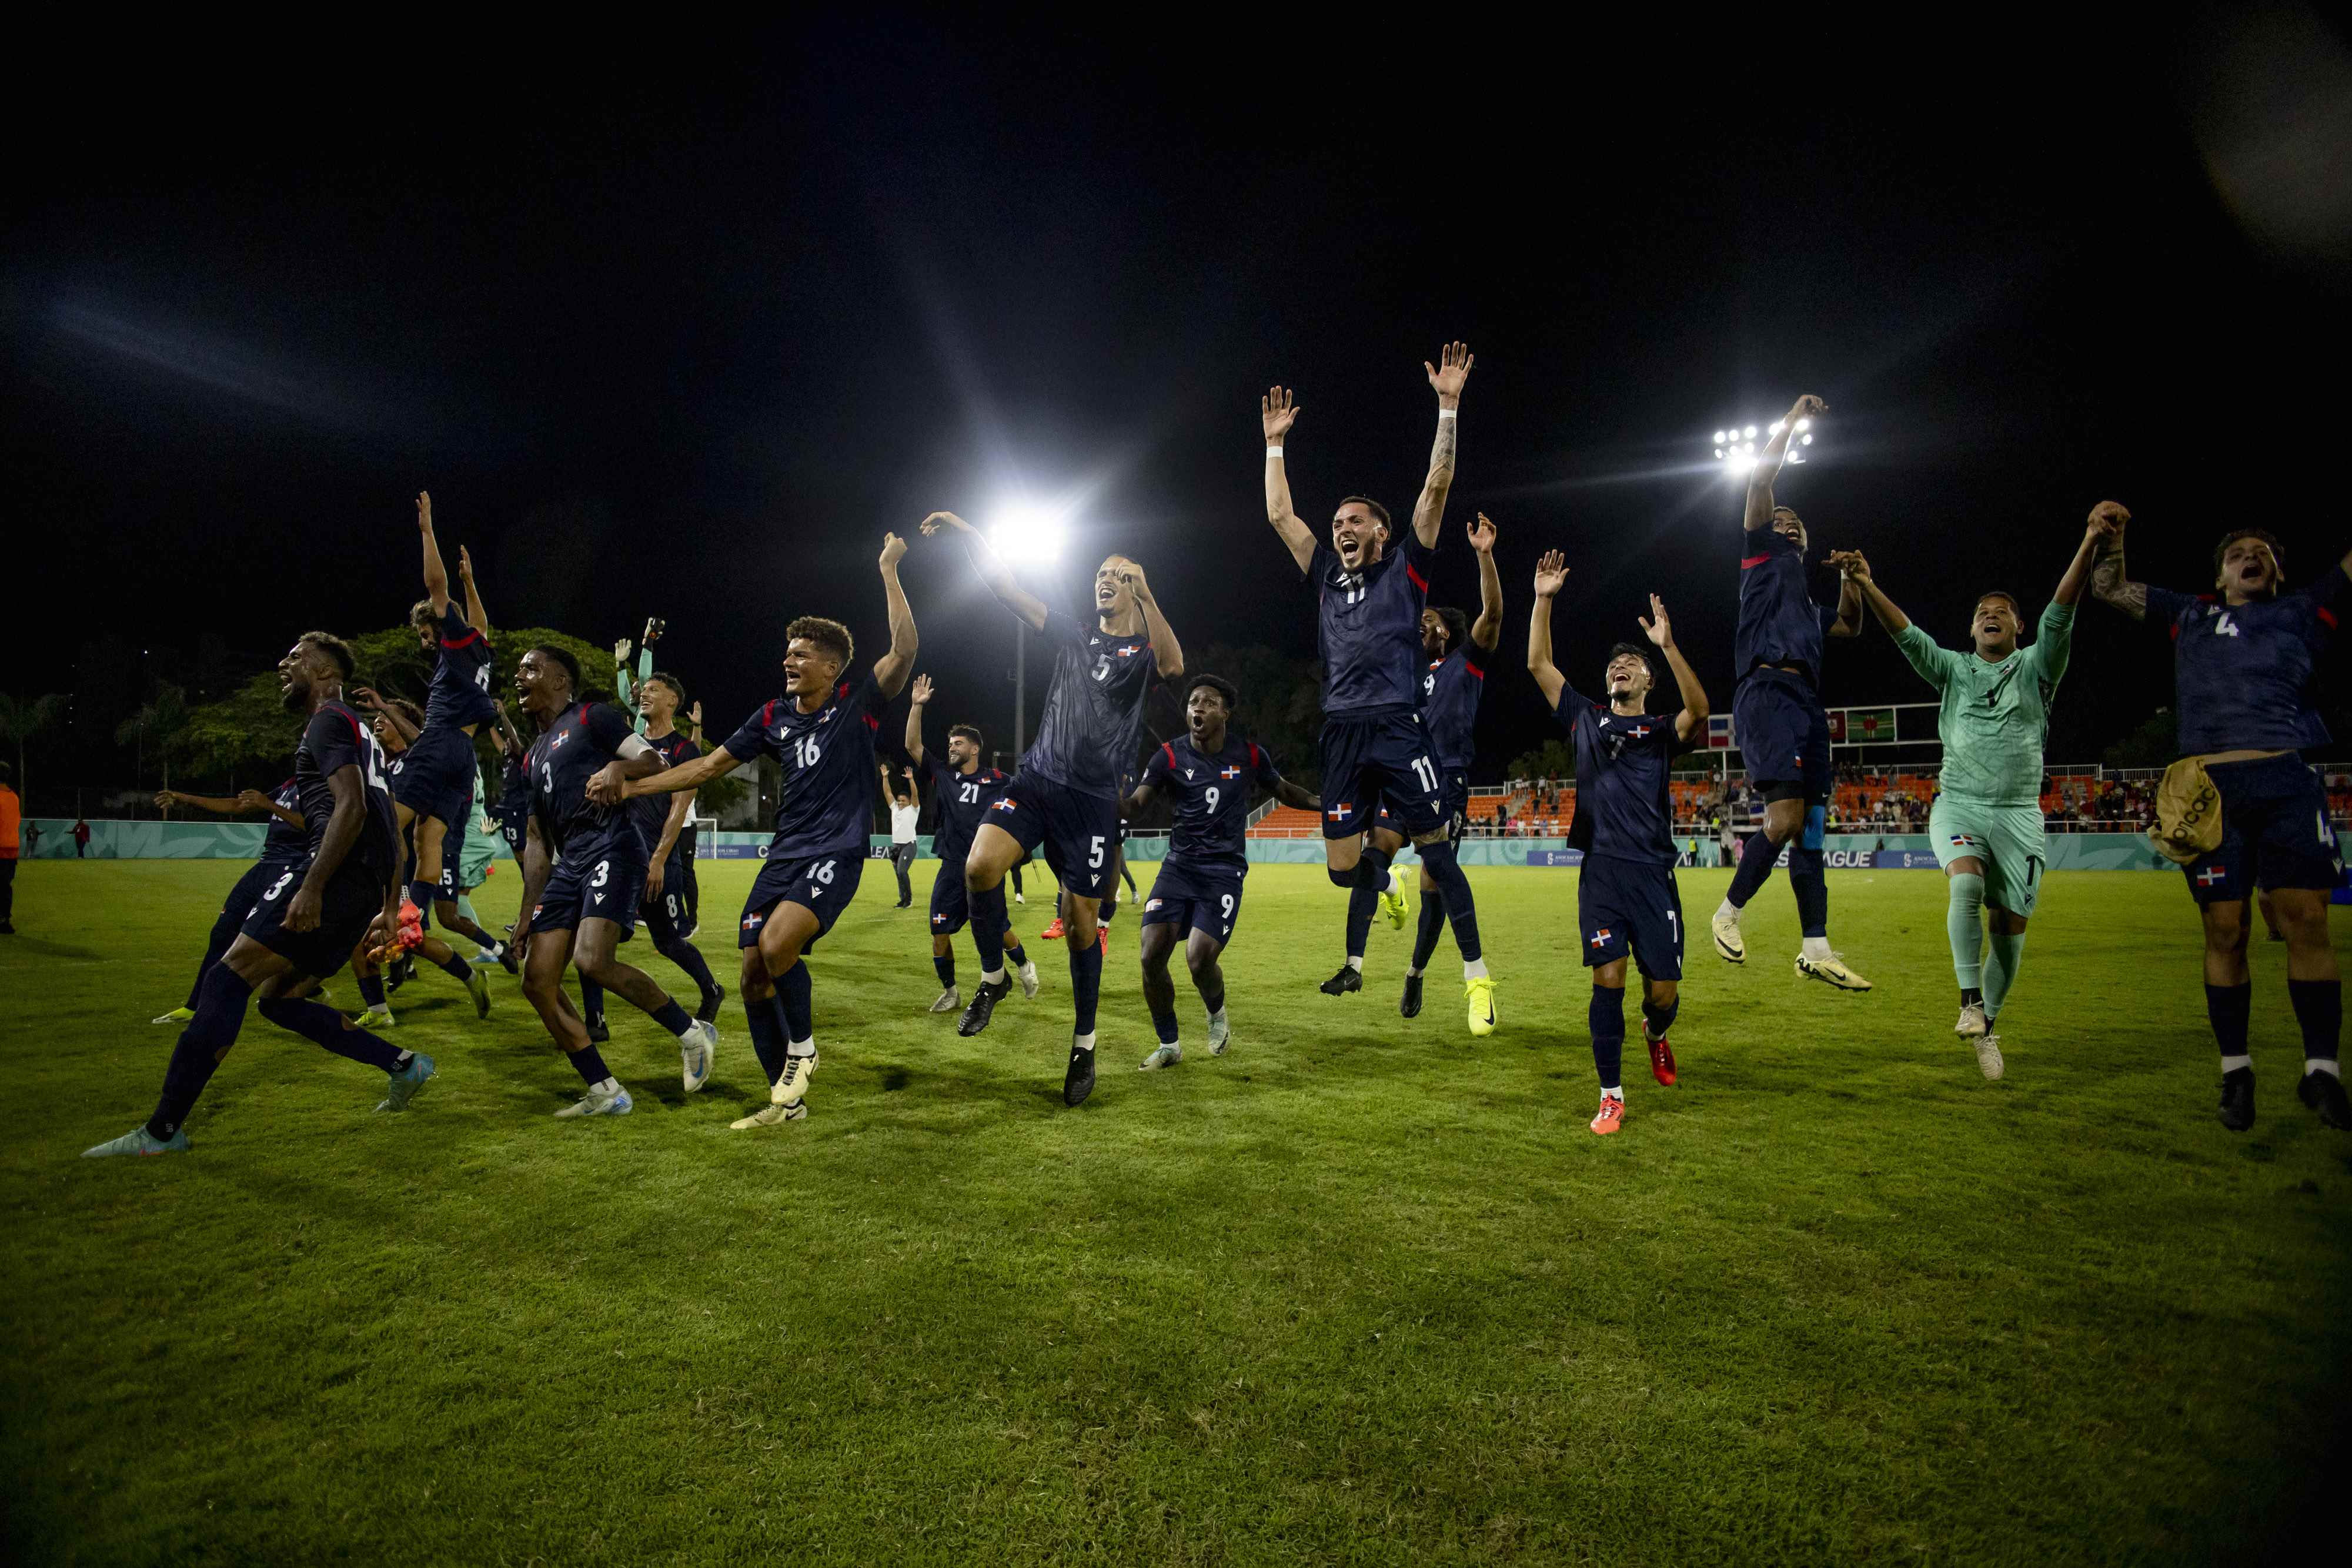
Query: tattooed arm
[2108,583]
[1446,379]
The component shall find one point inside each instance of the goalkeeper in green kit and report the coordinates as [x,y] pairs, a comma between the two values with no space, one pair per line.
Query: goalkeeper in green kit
[1987,821]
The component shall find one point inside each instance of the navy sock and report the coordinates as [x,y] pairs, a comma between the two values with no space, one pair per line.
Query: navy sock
[1756,858]
[988,925]
[672,1016]
[220,1013]
[456,968]
[1363,902]
[592,1000]
[1659,1017]
[2229,1007]
[1461,909]
[1433,926]
[1810,888]
[688,958]
[590,1065]
[1016,880]
[765,1021]
[1211,986]
[224,933]
[1607,1017]
[793,994]
[1019,959]
[2319,1009]
[323,1025]
[371,990]
[1085,982]
[1163,1016]
[421,893]
[943,965]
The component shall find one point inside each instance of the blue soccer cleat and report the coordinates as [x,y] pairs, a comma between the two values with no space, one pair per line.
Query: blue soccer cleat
[408,1082]
[140,1141]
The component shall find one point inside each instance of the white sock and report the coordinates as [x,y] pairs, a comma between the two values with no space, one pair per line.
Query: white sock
[1411,973]
[993,976]
[1817,948]
[2326,1064]
[1083,1042]
[801,1047]
[1617,1094]
[1474,968]
[1217,1016]
[1726,910]
[1356,962]
[2232,1064]
[609,1086]
[1396,882]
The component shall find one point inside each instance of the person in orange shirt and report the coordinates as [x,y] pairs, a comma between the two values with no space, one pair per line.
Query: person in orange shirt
[11,814]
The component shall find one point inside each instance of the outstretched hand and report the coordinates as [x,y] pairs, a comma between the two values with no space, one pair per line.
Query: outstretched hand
[465,565]
[922,690]
[694,713]
[2106,521]
[1850,563]
[1807,406]
[1551,574]
[606,787]
[252,800]
[166,798]
[1661,630]
[1453,368]
[621,651]
[894,550]
[368,699]
[1482,534]
[949,520]
[1277,411]
[424,511]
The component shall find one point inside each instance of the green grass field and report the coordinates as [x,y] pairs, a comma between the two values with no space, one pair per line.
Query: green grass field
[1359,1291]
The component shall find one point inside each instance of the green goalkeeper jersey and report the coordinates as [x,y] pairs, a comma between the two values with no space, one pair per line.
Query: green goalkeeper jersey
[1994,715]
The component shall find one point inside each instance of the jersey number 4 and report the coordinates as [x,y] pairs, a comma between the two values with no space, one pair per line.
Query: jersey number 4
[2225,627]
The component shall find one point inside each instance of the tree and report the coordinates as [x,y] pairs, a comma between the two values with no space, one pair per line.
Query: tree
[2154,743]
[1553,759]
[22,718]
[155,723]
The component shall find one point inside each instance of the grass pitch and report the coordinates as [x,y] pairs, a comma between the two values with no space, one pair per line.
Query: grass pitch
[1359,1291]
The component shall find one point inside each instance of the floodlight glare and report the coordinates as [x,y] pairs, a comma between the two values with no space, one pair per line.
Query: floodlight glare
[1027,533]
[1740,462]
[1718,452]
[1808,441]
[1803,425]
[1719,439]
[1751,433]
[1774,428]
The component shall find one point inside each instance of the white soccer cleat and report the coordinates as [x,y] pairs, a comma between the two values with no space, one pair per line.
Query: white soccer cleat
[1729,944]
[1988,1061]
[1020,898]
[697,1050]
[1832,971]
[951,1001]
[1027,976]
[769,1117]
[1166,1056]
[598,1103]
[793,1086]
[1221,1034]
[1972,1021]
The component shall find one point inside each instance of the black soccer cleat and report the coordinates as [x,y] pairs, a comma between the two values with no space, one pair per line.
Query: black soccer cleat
[1349,979]
[597,1034]
[1410,1005]
[708,1011]
[2238,1099]
[983,1006]
[1079,1081]
[2323,1092]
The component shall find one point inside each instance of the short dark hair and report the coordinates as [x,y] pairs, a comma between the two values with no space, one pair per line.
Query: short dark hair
[1376,510]
[334,647]
[969,732]
[672,682]
[420,614]
[825,633]
[408,710]
[1217,683]
[2234,535]
[1457,625]
[2015,607]
[1638,652]
[560,657]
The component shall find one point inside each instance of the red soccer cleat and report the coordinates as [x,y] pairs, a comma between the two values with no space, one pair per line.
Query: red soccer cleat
[1053,933]
[1102,939]
[1611,1117]
[1662,1061]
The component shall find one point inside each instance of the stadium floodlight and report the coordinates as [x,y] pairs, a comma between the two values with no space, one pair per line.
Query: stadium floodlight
[1735,445]
[1751,433]
[1719,439]
[1028,534]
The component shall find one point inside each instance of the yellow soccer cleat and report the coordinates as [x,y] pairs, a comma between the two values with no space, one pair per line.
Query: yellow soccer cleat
[1832,971]
[1481,992]
[177,1015]
[1397,904]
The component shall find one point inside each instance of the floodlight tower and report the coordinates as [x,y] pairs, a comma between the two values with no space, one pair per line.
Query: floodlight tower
[1735,445]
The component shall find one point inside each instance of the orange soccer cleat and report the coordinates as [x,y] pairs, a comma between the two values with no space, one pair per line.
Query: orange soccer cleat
[1053,932]
[1662,1061]
[1611,1117]
[1102,939]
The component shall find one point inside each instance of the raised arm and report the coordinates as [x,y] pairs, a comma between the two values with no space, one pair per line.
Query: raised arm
[508,739]
[475,616]
[2108,583]
[716,763]
[1848,609]
[1446,379]
[1552,576]
[1277,411]
[394,720]
[436,575]
[2078,570]
[229,805]
[1487,629]
[890,671]
[1857,577]
[1167,653]
[922,700]
[1767,465]
[991,567]
[1693,716]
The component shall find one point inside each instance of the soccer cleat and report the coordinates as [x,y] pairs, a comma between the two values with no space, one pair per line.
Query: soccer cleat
[177,1015]
[1481,992]
[771,1116]
[1020,898]
[596,1103]
[949,1002]
[373,1018]
[1988,1062]
[707,1012]
[1053,932]
[983,1007]
[140,1141]
[2323,1092]
[507,961]
[1410,1005]
[1662,1058]
[408,1082]
[791,1089]
[1729,944]
[2238,1099]
[1102,940]
[1973,1021]
[1166,1056]
[1349,979]
[698,1050]
[598,1032]
[477,985]
[1078,1079]
[1832,971]
[1611,1114]
[1028,973]
[488,958]
[1221,1034]
[1397,904]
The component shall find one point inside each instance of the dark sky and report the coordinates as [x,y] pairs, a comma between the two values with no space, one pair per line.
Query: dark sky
[682,330]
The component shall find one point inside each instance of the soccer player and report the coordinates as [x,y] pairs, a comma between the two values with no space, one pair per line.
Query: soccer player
[284,847]
[309,917]
[820,731]
[397,724]
[1777,713]
[1986,824]
[1066,795]
[1210,778]
[435,786]
[962,791]
[583,875]
[1626,901]
[670,893]
[1368,607]
[2243,659]
[906,808]
[1450,690]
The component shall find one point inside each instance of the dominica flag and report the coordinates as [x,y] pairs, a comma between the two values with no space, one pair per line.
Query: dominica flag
[1718,732]
[1856,724]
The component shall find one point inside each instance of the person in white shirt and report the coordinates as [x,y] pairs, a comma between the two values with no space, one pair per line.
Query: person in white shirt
[905,807]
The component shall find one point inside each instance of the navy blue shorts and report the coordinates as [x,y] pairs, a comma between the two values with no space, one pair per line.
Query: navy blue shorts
[1454,801]
[951,906]
[2274,832]
[1080,831]
[594,881]
[1204,898]
[352,899]
[257,878]
[1783,736]
[1625,906]
[822,884]
[670,916]
[1376,760]
[436,779]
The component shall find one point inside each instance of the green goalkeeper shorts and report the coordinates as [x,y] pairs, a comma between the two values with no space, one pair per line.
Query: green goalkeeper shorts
[2009,839]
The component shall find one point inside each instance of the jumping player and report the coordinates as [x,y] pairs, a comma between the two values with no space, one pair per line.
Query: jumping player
[298,934]
[1626,902]
[584,874]
[1777,712]
[1197,896]
[1067,793]
[820,731]
[1368,607]
[962,792]
[1986,824]
[2244,658]
[284,847]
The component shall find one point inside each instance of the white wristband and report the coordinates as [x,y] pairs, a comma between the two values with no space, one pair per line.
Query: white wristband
[1445,413]
[1274,451]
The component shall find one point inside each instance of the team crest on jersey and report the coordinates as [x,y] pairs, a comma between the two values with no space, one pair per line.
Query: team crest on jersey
[1003,803]
[1230,773]
[560,737]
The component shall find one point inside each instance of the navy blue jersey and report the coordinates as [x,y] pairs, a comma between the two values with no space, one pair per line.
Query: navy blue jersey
[2244,671]
[1779,624]
[826,806]
[1450,690]
[962,798]
[513,810]
[1094,708]
[334,739]
[460,692]
[648,812]
[1367,629]
[582,739]
[285,843]
[1624,808]
[1209,794]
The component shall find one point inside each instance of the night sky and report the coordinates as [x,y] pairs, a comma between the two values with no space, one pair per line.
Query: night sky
[683,331]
